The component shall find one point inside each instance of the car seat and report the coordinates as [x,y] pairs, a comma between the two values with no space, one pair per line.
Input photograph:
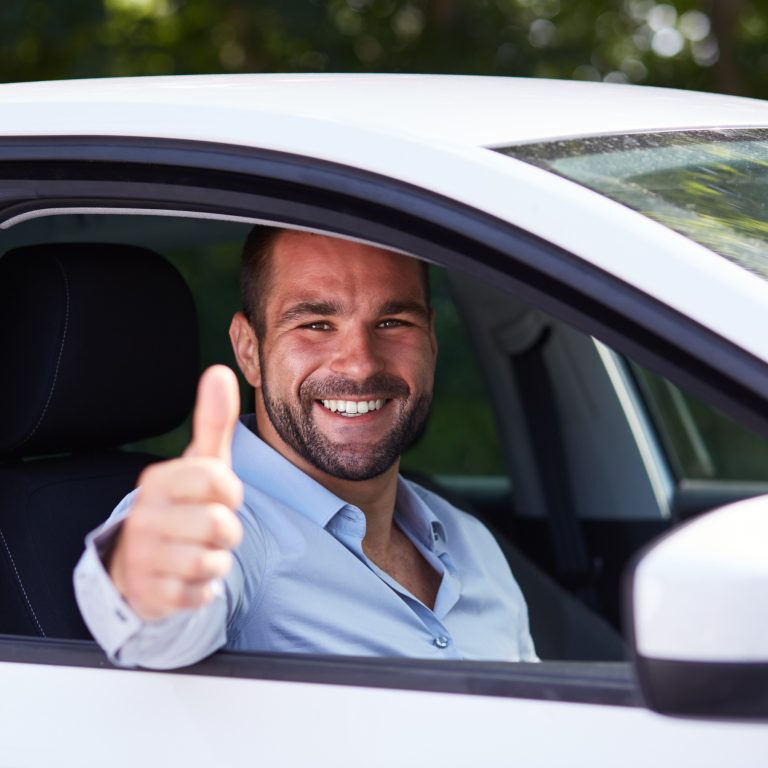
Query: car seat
[98,348]
[562,627]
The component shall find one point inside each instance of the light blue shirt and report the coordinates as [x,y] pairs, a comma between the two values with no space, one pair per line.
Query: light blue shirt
[302,583]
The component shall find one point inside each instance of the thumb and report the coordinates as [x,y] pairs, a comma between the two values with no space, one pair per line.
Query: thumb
[216,412]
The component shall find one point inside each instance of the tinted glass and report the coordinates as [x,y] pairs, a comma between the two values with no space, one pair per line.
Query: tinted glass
[710,186]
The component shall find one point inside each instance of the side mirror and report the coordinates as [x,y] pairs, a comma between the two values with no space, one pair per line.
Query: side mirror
[698,615]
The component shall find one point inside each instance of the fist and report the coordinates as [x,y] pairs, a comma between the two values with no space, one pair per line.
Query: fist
[182,527]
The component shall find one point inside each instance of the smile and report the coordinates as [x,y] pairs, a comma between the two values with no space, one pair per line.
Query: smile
[352,407]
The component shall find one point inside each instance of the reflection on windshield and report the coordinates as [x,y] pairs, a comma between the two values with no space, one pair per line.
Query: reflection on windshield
[708,185]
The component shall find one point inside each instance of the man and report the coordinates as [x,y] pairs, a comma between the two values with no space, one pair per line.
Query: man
[330,550]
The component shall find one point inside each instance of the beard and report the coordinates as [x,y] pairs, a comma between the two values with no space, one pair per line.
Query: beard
[348,461]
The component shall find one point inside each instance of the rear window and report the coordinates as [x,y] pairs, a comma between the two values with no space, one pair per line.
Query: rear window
[710,186]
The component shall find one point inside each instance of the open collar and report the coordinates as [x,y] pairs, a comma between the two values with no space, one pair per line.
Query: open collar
[263,468]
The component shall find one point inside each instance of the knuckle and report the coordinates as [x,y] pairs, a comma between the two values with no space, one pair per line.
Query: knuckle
[222,484]
[224,526]
[153,473]
[221,563]
[198,565]
[215,527]
[234,531]
[210,483]
[237,491]
[206,478]
[174,594]
[137,524]
[138,593]
[140,533]
[189,596]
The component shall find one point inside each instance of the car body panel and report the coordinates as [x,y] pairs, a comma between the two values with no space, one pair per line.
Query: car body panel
[461,110]
[343,120]
[200,720]
[428,137]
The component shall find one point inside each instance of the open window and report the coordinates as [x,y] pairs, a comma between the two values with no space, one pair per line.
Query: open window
[533,414]
[548,436]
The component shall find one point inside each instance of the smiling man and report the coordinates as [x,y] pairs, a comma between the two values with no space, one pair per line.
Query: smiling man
[291,529]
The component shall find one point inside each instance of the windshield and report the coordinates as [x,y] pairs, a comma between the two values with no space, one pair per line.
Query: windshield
[708,185]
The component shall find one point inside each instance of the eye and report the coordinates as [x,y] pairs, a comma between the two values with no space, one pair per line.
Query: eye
[391,323]
[318,325]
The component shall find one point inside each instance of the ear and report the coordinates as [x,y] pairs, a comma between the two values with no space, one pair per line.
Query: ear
[245,345]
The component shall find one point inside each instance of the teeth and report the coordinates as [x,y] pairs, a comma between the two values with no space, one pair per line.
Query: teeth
[353,407]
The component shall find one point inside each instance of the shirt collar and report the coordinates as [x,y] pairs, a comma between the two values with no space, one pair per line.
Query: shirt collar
[261,467]
[413,512]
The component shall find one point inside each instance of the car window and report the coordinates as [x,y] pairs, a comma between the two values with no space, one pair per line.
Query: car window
[707,185]
[701,442]
[461,439]
[487,339]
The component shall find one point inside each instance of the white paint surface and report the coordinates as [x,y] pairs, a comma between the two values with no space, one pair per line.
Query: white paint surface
[480,111]
[64,717]
[701,593]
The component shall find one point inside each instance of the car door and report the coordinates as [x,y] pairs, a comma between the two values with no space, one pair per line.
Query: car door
[290,709]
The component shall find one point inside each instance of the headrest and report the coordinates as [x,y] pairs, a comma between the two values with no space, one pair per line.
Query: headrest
[98,347]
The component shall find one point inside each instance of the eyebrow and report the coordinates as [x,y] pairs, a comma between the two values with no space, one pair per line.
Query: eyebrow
[310,308]
[404,308]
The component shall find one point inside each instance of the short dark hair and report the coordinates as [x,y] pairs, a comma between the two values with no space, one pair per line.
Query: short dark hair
[256,275]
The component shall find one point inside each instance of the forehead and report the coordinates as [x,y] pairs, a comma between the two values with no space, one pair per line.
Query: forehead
[309,264]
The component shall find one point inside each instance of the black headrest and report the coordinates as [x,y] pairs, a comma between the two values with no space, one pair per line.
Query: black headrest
[98,347]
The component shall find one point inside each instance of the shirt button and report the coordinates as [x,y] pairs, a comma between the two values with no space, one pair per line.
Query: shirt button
[441,642]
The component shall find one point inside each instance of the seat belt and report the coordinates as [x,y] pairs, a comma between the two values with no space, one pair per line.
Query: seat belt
[543,424]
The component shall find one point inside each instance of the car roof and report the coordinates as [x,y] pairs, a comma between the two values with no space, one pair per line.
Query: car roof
[453,109]
[431,133]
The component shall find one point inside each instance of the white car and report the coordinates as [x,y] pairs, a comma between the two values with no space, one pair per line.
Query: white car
[599,276]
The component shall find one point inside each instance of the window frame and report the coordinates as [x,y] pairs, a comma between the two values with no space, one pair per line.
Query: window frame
[74,172]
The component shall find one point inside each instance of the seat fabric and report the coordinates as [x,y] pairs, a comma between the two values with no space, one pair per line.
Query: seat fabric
[99,348]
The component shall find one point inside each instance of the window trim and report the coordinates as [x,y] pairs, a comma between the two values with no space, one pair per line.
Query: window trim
[607,683]
[88,172]
[300,191]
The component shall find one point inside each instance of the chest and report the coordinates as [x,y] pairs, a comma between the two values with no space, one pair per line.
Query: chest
[306,589]
[408,567]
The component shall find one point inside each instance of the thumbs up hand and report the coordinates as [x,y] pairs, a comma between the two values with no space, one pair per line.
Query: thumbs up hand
[182,526]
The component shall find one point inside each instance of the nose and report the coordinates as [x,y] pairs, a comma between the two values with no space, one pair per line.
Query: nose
[357,354]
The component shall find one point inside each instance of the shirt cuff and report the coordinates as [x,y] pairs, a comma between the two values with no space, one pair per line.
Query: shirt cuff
[105,612]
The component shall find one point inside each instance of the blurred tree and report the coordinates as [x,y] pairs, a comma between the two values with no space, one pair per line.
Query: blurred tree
[702,44]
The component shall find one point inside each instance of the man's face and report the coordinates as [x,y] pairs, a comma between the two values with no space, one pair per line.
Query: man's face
[346,366]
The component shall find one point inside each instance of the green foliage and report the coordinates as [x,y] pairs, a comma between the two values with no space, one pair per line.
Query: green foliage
[717,45]
[701,442]
[461,436]
[700,44]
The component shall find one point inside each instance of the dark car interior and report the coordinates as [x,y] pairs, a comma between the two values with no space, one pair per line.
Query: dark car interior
[100,348]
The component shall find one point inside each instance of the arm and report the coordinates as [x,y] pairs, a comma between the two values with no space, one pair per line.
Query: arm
[151,583]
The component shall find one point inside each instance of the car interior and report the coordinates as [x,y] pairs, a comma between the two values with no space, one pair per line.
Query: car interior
[563,448]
